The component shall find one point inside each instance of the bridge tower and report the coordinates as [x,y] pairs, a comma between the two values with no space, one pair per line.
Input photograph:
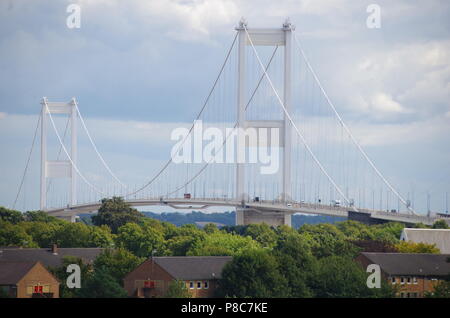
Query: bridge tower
[58,168]
[265,37]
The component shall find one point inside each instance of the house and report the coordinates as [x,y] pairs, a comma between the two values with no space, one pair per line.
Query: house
[153,277]
[27,280]
[49,257]
[412,274]
[440,237]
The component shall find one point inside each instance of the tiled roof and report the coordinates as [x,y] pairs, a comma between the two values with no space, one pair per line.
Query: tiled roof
[12,272]
[45,255]
[193,267]
[411,264]
[440,237]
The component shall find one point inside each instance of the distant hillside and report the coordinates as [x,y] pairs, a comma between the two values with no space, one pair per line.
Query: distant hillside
[228,218]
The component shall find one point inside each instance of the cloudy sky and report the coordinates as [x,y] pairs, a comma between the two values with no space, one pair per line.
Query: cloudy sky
[140,68]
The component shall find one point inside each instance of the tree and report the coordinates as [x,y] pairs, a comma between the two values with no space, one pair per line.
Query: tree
[41,216]
[100,236]
[61,273]
[441,290]
[262,233]
[388,232]
[254,273]
[210,228]
[341,277]
[101,285]
[117,263]
[355,230]
[11,216]
[373,246]
[140,240]
[326,240]
[177,289]
[44,233]
[15,235]
[411,247]
[222,244]
[296,264]
[116,212]
[440,224]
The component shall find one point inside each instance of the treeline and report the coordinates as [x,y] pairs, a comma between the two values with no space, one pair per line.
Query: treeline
[229,218]
[313,261]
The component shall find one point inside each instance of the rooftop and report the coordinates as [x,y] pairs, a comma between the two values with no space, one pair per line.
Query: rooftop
[193,267]
[12,272]
[46,255]
[440,237]
[411,264]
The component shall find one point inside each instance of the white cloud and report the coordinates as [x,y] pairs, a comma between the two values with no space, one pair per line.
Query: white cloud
[384,103]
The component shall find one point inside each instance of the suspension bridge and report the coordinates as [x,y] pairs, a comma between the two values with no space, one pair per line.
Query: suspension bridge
[267,84]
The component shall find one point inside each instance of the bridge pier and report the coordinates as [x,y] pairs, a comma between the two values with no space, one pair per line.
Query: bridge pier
[246,216]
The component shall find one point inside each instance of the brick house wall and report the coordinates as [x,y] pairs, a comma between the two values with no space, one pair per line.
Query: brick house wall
[202,292]
[412,286]
[134,282]
[37,276]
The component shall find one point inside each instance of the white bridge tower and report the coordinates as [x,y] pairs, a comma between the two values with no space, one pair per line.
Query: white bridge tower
[58,168]
[265,37]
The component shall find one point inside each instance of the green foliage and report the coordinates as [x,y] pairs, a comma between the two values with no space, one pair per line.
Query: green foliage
[411,247]
[441,290]
[254,273]
[116,212]
[180,245]
[327,240]
[177,289]
[117,263]
[355,230]
[339,277]
[388,232]
[101,285]
[263,234]
[40,216]
[296,263]
[44,233]
[440,224]
[82,235]
[62,274]
[210,228]
[220,243]
[140,240]
[11,216]
[15,235]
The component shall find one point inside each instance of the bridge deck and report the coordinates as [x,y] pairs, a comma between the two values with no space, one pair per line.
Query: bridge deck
[294,207]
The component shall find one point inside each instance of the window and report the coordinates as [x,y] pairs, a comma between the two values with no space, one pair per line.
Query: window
[191,285]
[38,289]
[199,285]
[402,280]
[205,284]
[393,281]
[408,280]
[415,281]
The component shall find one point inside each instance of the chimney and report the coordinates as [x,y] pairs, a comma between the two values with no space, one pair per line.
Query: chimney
[55,249]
